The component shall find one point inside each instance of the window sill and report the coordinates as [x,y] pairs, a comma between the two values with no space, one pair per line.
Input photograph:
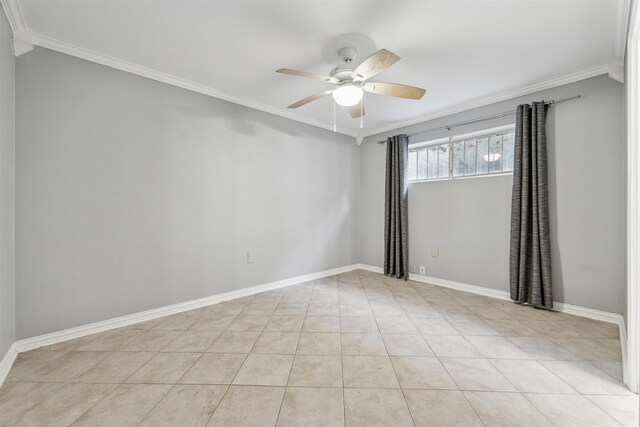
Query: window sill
[486,175]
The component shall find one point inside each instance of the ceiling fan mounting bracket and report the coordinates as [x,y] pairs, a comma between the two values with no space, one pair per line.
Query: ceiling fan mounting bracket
[348,54]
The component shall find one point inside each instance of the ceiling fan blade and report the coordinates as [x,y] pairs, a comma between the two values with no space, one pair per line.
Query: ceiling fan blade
[375,64]
[394,89]
[308,99]
[308,75]
[357,110]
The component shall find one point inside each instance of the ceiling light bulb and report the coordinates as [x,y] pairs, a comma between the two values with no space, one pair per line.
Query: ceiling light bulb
[491,157]
[347,95]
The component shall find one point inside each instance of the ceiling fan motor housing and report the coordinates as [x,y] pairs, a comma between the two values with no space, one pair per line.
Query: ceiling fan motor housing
[342,72]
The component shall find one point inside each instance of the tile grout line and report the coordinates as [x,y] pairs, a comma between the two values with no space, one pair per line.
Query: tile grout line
[234,377]
[293,361]
[344,402]
[113,390]
[545,415]
[443,365]
[463,391]
[517,390]
[185,373]
[238,371]
[602,409]
[94,405]
[156,404]
[64,384]
[342,388]
[404,398]
[228,386]
[437,357]
[144,364]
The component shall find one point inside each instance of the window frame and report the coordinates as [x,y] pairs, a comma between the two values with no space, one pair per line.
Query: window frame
[450,140]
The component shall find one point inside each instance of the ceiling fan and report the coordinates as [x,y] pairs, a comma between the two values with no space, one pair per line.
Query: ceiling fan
[352,82]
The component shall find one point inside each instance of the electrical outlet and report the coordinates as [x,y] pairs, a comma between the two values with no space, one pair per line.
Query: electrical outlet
[434,252]
[250,258]
[423,270]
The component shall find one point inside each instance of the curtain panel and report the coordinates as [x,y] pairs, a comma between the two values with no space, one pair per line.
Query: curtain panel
[530,254]
[396,227]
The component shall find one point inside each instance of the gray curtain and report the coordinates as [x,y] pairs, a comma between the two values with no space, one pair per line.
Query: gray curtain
[530,257]
[396,243]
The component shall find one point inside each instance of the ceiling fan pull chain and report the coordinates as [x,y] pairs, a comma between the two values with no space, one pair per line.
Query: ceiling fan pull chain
[361,114]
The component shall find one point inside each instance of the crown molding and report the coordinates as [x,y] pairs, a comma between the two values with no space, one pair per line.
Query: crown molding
[22,42]
[113,62]
[129,67]
[527,90]
[14,15]
[22,35]
[621,11]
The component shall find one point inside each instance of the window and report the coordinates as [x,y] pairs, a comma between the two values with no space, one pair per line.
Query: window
[482,153]
[430,162]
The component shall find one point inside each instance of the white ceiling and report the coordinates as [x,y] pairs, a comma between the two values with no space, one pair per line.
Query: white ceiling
[460,51]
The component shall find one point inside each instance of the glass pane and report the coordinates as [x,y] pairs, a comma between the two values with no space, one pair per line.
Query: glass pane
[482,155]
[422,164]
[495,153]
[470,156]
[413,166]
[507,151]
[458,158]
[433,162]
[443,162]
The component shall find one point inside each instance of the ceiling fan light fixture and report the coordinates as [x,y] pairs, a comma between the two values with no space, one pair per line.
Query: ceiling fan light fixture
[347,95]
[493,157]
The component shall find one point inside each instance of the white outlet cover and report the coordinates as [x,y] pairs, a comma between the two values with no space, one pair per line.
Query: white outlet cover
[423,269]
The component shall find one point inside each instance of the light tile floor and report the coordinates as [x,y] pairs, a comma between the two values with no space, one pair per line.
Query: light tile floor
[358,349]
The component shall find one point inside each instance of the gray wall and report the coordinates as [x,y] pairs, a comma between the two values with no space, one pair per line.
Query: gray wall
[7,148]
[133,194]
[468,219]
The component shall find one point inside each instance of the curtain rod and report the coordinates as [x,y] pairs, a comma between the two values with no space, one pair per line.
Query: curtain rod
[482,119]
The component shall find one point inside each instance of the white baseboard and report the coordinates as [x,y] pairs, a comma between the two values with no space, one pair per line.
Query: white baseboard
[371,268]
[473,289]
[7,362]
[118,322]
[622,329]
[458,286]
[590,313]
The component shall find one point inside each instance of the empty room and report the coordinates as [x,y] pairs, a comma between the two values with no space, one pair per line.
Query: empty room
[319,213]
